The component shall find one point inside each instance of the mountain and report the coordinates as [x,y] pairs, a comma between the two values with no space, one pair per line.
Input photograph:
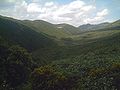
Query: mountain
[68,28]
[53,30]
[89,27]
[45,27]
[115,24]
[18,33]
[87,60]
[93,62]
[42,31]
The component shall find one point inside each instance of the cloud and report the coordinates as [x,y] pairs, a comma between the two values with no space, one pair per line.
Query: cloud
[102,13]
[99,17]
[76,12]
[68,13]
[33,8]
[48,4]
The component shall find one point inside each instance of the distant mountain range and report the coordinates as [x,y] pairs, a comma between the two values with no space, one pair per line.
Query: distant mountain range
[42,33]
[61,30]
[65,30]
[89,27]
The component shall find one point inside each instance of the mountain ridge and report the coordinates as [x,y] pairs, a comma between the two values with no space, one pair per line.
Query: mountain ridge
[85,27]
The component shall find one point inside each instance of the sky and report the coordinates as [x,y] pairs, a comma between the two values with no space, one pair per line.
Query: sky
[74,12]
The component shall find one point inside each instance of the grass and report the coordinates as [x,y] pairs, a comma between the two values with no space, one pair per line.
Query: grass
[101,53]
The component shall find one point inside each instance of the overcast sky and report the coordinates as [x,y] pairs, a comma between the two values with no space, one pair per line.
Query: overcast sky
[74,12]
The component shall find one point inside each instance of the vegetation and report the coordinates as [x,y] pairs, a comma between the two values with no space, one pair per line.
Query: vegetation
[20,34]
[15,66]
[33,59]
[46,78]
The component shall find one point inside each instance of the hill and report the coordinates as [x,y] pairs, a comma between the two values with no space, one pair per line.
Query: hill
[93,63]
[54,30]
[88,27]
[46,28]
[106,25]
[88,60]
[20,34]
[68,28]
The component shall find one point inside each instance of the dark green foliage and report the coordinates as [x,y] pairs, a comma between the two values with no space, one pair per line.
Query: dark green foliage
[45,78]
[17,33]
[104,78]
[102,58]
[20,56]
[15,66]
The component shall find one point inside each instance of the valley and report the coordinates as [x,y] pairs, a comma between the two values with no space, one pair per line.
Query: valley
[59,56]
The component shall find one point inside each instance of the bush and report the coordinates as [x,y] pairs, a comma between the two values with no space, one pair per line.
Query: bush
[45,78]
[15,66]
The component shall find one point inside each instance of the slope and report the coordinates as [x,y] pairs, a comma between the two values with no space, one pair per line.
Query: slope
[93,64]
[46,28]
[106,25]
[89,27]
[17,33]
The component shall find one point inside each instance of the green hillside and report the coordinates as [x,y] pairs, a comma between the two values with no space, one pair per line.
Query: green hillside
[62,57]
[115,24]
[46,28]
[20,34]
[68,28]
[94,63]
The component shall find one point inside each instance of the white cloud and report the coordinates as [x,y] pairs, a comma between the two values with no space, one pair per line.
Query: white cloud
[48,4]
[75,4]
[76,12]
[102,13]
[88,8]
[98,18]
[68,13]
[33,8]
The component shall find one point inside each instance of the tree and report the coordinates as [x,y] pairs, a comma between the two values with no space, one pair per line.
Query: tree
[46,78]
[15,66]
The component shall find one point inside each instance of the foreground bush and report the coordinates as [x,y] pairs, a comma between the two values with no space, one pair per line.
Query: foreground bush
[45,78]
